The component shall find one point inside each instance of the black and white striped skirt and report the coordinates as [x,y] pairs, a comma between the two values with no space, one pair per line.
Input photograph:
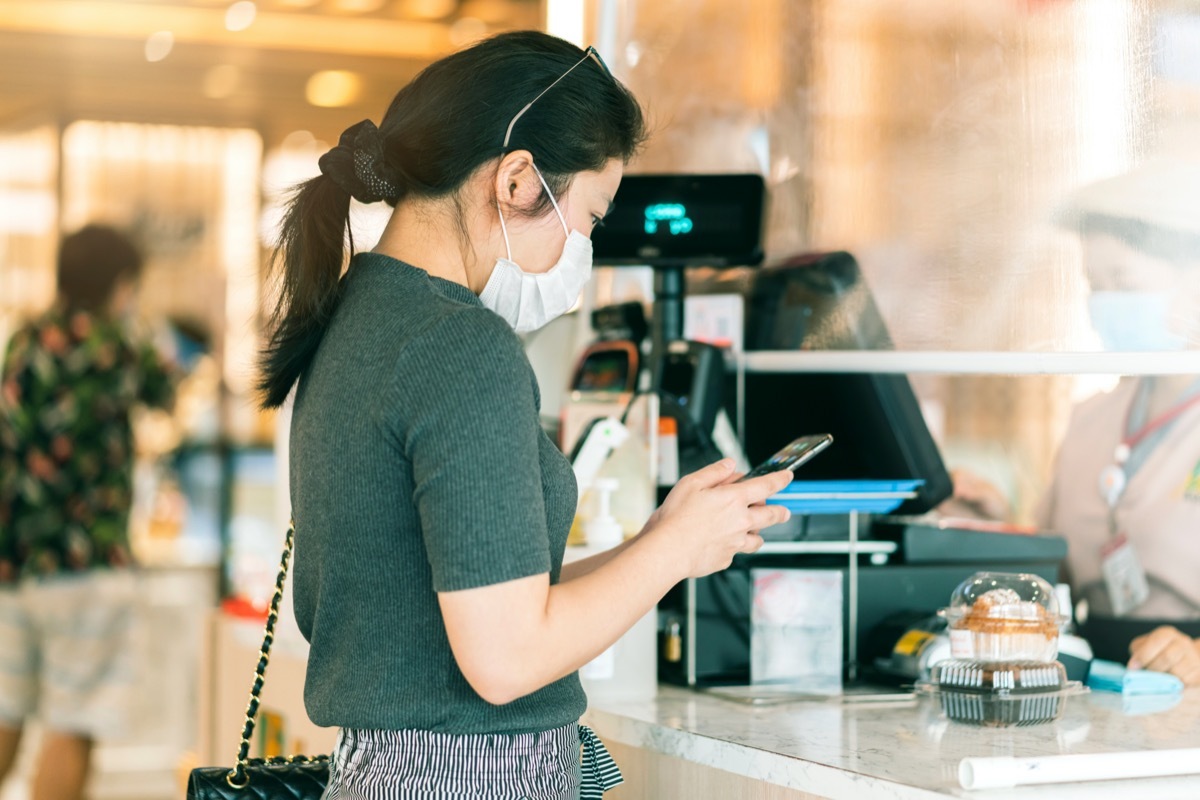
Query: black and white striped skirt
[421,765]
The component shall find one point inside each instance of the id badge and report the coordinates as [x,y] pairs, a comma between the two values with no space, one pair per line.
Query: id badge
[1123,576]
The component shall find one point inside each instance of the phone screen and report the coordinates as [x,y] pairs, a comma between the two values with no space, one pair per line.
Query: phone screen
[793,455]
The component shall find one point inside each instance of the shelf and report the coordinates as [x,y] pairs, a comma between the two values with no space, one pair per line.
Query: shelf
[971,363]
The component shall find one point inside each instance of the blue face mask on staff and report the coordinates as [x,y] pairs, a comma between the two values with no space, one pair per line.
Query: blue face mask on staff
[1134,321]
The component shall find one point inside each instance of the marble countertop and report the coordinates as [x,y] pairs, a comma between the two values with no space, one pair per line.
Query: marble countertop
[898,751]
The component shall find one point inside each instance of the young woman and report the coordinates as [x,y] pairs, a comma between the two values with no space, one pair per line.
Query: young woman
[431,510]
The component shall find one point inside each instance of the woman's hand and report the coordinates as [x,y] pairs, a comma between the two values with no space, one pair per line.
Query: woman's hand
[711,517]
[512,638]
[1167,649]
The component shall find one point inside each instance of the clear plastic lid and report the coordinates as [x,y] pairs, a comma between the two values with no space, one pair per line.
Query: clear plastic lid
[994,599]
[1004,617]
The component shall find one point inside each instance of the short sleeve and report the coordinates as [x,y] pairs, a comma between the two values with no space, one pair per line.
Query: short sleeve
[156,378]
[465,415]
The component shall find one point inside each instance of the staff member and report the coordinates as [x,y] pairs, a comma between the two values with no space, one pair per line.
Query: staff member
[431,510]
[1126,483]
[1126,489]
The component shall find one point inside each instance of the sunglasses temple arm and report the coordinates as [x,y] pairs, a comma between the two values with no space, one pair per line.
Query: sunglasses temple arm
[508,133]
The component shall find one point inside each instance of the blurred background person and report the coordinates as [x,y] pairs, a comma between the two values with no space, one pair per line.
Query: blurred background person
[1126,483]
[70,381]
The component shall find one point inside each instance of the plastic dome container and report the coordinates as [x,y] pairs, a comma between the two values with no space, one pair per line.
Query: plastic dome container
[997,617]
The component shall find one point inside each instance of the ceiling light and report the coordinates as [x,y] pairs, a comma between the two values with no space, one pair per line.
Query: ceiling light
[240,15]
[332,88]
[221,81]
[158,45]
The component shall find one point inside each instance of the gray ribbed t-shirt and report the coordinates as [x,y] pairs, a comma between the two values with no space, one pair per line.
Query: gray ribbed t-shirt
[418,465]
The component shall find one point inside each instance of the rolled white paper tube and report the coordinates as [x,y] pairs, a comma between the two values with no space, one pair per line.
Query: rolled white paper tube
[1005,772]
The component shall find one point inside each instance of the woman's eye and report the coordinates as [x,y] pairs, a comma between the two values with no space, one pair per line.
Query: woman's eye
[597,222]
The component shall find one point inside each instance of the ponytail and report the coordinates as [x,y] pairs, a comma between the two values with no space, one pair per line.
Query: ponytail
[310,254]
[439,129]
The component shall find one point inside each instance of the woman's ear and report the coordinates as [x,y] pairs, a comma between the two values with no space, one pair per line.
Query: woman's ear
[517,184]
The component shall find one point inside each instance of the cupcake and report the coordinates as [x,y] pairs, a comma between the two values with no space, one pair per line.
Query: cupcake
[1001,617]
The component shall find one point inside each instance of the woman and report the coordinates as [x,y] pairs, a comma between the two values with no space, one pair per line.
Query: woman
[71,377]
[431,510]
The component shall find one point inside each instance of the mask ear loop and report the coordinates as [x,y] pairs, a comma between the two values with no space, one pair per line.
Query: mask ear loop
[504,230]
[553,202]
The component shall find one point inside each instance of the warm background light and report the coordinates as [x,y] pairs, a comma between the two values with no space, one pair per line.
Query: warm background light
[221,81]
[467,30]
[159,44]
[426,9]
[564,18]
[333,88]
[358,6]
[240,15]
[493,12]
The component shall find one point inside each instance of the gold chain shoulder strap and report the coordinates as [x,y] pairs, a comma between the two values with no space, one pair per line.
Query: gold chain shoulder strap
[238,777]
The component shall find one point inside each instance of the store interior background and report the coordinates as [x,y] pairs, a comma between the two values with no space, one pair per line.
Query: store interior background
[934,139]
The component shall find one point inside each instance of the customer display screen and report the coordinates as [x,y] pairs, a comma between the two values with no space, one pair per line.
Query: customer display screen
[604,371]
[679,220]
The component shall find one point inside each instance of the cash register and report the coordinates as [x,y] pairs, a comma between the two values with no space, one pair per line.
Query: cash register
[899,566]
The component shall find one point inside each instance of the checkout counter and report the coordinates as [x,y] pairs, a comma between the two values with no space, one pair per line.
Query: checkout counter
[694,745]
[709,732]
[691,744]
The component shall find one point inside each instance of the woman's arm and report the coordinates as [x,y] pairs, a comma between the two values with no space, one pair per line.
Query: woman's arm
[513,638]
[585,566]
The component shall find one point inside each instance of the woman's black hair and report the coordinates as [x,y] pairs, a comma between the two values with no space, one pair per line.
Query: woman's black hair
[439,129]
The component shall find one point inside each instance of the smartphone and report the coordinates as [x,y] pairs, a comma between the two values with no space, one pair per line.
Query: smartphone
[793,455]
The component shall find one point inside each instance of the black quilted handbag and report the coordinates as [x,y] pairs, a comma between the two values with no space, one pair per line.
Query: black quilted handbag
[292,778]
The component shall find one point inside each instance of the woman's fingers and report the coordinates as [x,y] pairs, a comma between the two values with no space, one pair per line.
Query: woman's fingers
[764,516]
[752,544]
[758,489]
[733,478]
[714,474]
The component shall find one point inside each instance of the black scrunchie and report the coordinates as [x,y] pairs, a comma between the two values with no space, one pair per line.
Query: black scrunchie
[357,165]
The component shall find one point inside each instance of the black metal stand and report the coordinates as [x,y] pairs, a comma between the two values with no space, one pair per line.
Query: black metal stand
[667,323]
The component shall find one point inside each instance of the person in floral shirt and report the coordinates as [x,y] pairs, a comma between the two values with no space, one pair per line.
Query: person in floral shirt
[70,380]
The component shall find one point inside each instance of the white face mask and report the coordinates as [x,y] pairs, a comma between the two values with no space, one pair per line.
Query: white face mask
[527,301]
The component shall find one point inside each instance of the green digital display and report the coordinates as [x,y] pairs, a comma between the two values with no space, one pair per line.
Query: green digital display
[672,215]
[675,220]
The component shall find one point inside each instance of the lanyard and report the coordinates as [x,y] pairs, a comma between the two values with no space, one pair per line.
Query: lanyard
[1114,478]
[1132,440]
